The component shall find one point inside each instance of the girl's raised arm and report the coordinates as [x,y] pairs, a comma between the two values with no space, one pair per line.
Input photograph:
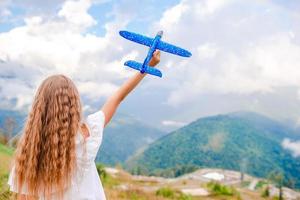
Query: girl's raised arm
[114,101]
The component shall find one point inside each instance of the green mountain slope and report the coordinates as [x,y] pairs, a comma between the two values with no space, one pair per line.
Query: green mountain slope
[273,128]
[245,140]
[123,137]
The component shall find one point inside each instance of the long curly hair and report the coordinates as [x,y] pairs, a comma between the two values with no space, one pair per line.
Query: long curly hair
[46,159]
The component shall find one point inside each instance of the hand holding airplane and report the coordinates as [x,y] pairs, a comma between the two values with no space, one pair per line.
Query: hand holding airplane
[153,43]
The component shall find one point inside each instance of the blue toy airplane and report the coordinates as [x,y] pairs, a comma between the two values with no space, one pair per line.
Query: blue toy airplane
[153,43]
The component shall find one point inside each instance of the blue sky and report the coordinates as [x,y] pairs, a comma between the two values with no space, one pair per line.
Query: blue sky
[245,55]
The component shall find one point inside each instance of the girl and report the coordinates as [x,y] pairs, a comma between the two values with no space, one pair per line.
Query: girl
[55,156]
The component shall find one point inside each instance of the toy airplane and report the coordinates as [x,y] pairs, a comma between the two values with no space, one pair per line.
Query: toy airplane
[153,43]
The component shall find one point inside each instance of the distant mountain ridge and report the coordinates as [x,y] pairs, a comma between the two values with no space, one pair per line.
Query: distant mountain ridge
[277,129]
[123,137]
[17,116]
[233,141]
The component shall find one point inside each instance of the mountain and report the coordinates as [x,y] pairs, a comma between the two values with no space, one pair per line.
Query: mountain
[124,137]
[246,141]
[272,127]
[17,117]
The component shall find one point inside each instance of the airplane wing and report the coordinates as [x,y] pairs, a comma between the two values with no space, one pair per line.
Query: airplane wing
[138,66]
[173,49]
[137,38]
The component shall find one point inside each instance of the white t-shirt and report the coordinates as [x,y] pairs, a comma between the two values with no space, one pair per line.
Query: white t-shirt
[86,184]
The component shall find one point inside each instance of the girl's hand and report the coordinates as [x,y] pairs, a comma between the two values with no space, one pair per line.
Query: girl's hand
[111,105]
[155,58]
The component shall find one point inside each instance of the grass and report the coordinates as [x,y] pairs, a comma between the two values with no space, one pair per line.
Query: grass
[245,184]
[170,193]
[261,184]
[6,150]
[131,194]
[265,192]
[166,192]
[218,189]
[5,160]
[106,179]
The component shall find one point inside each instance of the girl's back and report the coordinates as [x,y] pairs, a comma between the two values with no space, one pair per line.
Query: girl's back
[54,159]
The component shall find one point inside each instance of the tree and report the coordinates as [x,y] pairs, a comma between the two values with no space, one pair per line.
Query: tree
[290,182]
[9,127]
[3,137]
[276,177]
[243,168]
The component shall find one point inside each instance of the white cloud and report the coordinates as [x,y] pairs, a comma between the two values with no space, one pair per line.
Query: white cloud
[172,15]
[75,12]
[172,123]
[206,51]
[205,8]
[22,97]
[293,146]
[5,12]
[95,91]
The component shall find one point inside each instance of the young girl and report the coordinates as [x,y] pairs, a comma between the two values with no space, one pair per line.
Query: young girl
[55,156]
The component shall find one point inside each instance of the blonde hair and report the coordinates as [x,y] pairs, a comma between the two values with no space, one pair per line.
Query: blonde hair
[46,158]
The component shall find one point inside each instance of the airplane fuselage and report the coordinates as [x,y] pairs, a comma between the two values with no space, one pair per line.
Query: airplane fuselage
[151,50]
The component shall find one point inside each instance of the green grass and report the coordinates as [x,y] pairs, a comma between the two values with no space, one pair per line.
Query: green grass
[185,197]
[106,179]
[6,154]
[265,192]
[6,150]
[219,189]
[166,192]
[245,184]
[135,196]
[261,184]
[170,193]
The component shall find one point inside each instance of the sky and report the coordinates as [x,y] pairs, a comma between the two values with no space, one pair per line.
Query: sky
[246,56]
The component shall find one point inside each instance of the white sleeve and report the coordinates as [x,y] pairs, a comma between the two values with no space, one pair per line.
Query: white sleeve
[95,123]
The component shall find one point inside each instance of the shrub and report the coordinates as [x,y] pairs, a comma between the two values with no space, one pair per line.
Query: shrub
[101,171]
[4,189]
[185,197]
[219,189]
[165,192]
[276,198]
[260,184]
[3,138]
[106,179]
[245,183]
[135,196]
[265,192]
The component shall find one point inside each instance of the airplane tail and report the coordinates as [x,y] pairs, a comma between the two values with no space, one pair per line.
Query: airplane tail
[138,66]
